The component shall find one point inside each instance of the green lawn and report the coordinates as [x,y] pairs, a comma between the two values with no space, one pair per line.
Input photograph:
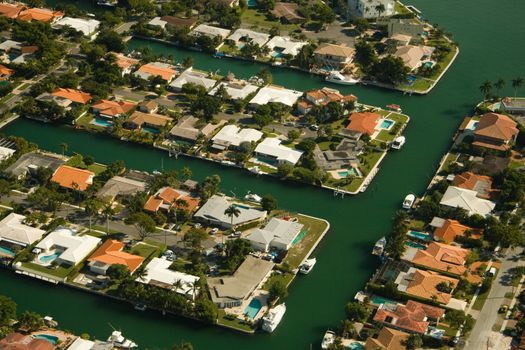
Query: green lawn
[419,85]
[60,272]
[97,168]
[480,300]
[385,136]
[445,62]
[85,121]
[369,160]
[144,250]
[235,323]
[258,20]
[299,251]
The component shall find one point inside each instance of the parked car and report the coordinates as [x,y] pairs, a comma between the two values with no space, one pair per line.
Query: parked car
[314,127]
[214,231]
[503,309]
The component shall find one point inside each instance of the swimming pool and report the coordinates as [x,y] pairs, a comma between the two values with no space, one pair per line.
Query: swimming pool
[386,124]
[47,259]
[299,237]
[50,338]
[6,251]
[253,308]
[348,172]
[421,235]
[377,300]
[428,64]
[102,122]
[252,3]
[415,245]
[150,130]
[355,346]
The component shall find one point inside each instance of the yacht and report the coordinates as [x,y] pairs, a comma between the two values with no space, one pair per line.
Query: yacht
[253,197]
[398,142]
[255,169]
[328,339]
[379,247]
[394,107]
[338,78]
[273,318]
[120,342]
[409,201]
[307,266]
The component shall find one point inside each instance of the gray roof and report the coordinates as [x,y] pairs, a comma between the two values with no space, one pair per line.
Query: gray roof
[119,185]
[214,209]
[277,230]
[34,160]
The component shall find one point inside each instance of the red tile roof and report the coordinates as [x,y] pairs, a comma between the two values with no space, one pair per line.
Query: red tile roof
[73,178]
[496,126]
[73,95]
[10,10]
[169,197]
[17,341]
[163,72]
[111,253]
[363,122]
[451,229]
[479,183]
[388,339]
[423,284]
[40,15]
[442,257]
[410,317]
[113,108]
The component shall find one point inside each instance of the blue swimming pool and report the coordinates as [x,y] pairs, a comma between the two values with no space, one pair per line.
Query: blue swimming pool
[415,245]
[50,338]
[102,122]
[428,64]
[252,3]
[253,308]
[6,251]
[475,125]
[421,235]
[386,124]
[348,172]
[377,300]
[150,130]
[46,259]
[355,346]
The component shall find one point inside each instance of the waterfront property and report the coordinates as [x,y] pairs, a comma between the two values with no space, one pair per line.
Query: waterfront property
[120,186]
[88,27]
[456,197]
[13,230]
[363,123]
[19,341]
[424,284]
[232,136]
[210,31]
[236,89]
[110,253]
[272,93]
[111,109]
[441,257]
[164,71]
[334,57]
[281,46]
[495,131]
[278,234]
[321,98]
[414,56]
[414,317]
[213,213]
[30,162]
[513,105]
[480,183]
[190,76]
[447,230]
[241,37]
[387,339]
[271,151]
[167,198]
[188,129]
[143,121]
[6,153]
[369,9]
[73,178]
[66,97]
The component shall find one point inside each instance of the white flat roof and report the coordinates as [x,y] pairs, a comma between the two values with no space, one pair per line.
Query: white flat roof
[233,135]
[6,152]
[205,29]
[236,90]
[278,230]
[286,44]
[87,26]
[81,344]
[12,229]
[192,77]
[76,247]
[214,209]
[272,146]
[457,197]
[157,22]
[243,34]
[158,270]
[272,93]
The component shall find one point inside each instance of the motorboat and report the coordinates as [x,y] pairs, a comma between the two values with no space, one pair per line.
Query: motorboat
[409,201]
[253,197]
[398,142]
[394,107]
[272,319]
[48,321]
[141,307]
[120,342]
[328,339]
[379,247]
[307,266]
[256,170]
[338,78]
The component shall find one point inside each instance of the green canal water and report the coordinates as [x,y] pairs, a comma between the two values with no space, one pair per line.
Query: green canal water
[489,38]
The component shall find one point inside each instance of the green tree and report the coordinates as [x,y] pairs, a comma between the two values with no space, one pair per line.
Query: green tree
[91,208]
[232,212]
[7,310]
[144,223]
[293,134]
[265,75]
[380,9]
[63,147]
[206,310]
[499,84]
[277,290]
[108,211]
[111,40]
[269,203]
[357,312]
[414,341]
[209,186]
[118,272]
[516,84]
[31,321]
[194,238]
[486,89]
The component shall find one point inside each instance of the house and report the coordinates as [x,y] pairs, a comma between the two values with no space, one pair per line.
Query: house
[212,213]
[192,77]
[470,181]
[232,136]
[74,96]
[88,27]
[334,56]
[30,162]
[68,245]
[413,56]
[73,178]
[226,3]
[442,257]
[272,151]
[457,197]
[11,10]
[5,73]
[387,339]
[404,26]
[413,317]
[139,120]
[10,45]
[19,341]
[158,273]
[278,233]
[40,15]
[490,164]
[287,12]
[126,64]
[322,97]
[14,231]
[210,31]
[231,291]
[495,131]
[156,69]
[148,106]
[426,285]
[6,153]
[368,9]
[236,89]
[242,36]
[284,46]
[110,253]
[276,94]
[344,156]
[112,109]
[178,23]
[446,230]
[187,129]
[513,105]
[363,122]
[120,186]
[167,198]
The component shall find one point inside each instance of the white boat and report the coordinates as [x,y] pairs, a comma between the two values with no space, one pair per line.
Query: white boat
[120,342]
[409,201]
[255,169]
[379,247]
[273,318]
[307,266]
[338,78]
[328,339]
[48,321]
[398,142]
[141,307]
[252,197]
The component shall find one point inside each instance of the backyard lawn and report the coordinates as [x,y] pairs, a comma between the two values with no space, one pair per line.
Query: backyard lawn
[256,20]
[144,250]
[298,252]
[60,272]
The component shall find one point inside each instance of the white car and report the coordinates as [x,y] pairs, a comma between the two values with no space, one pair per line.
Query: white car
[214,231]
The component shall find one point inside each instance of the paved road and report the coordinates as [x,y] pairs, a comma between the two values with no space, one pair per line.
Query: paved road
[482,332]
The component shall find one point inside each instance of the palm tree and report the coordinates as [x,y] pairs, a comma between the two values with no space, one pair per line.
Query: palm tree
[64,148]
[232,212]
[108,211]
[91,207]
[485,89]
[380,9]
[499,84]
[516,84]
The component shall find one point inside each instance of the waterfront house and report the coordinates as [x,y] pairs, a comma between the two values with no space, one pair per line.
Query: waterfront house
[168,197]
[271,151]
[192,77]
[495,131]
[159,274]
[236,89]
[322,97]
[5,73]
[120,186]
[88,27]
[276,94]
[110,253]
[188,129]
[212,213]
[363,122]
[387,339]
[19,341]
[8,46]
[456,197]
[334,57]
[210,31]
[172,23]
[446,230]
[30,162]
[112,109]
[442,258]
[73,96]
[126,64]
[148,106]
[14,231]
[405,26]
[470,181]
[11,10]
[490,164]
[278,233]
[413,56]
[345,155]
[40,15]
[287,12]
[66,246]
[426,285]
[284,46]
[164,71]
[513,105]
[232,136]
[368,8]
[413,317]
[6,153]
[242,36]
[73,178]
[231,291]
[139,120]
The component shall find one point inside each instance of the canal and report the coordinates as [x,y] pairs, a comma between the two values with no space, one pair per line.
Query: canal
[490,40]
